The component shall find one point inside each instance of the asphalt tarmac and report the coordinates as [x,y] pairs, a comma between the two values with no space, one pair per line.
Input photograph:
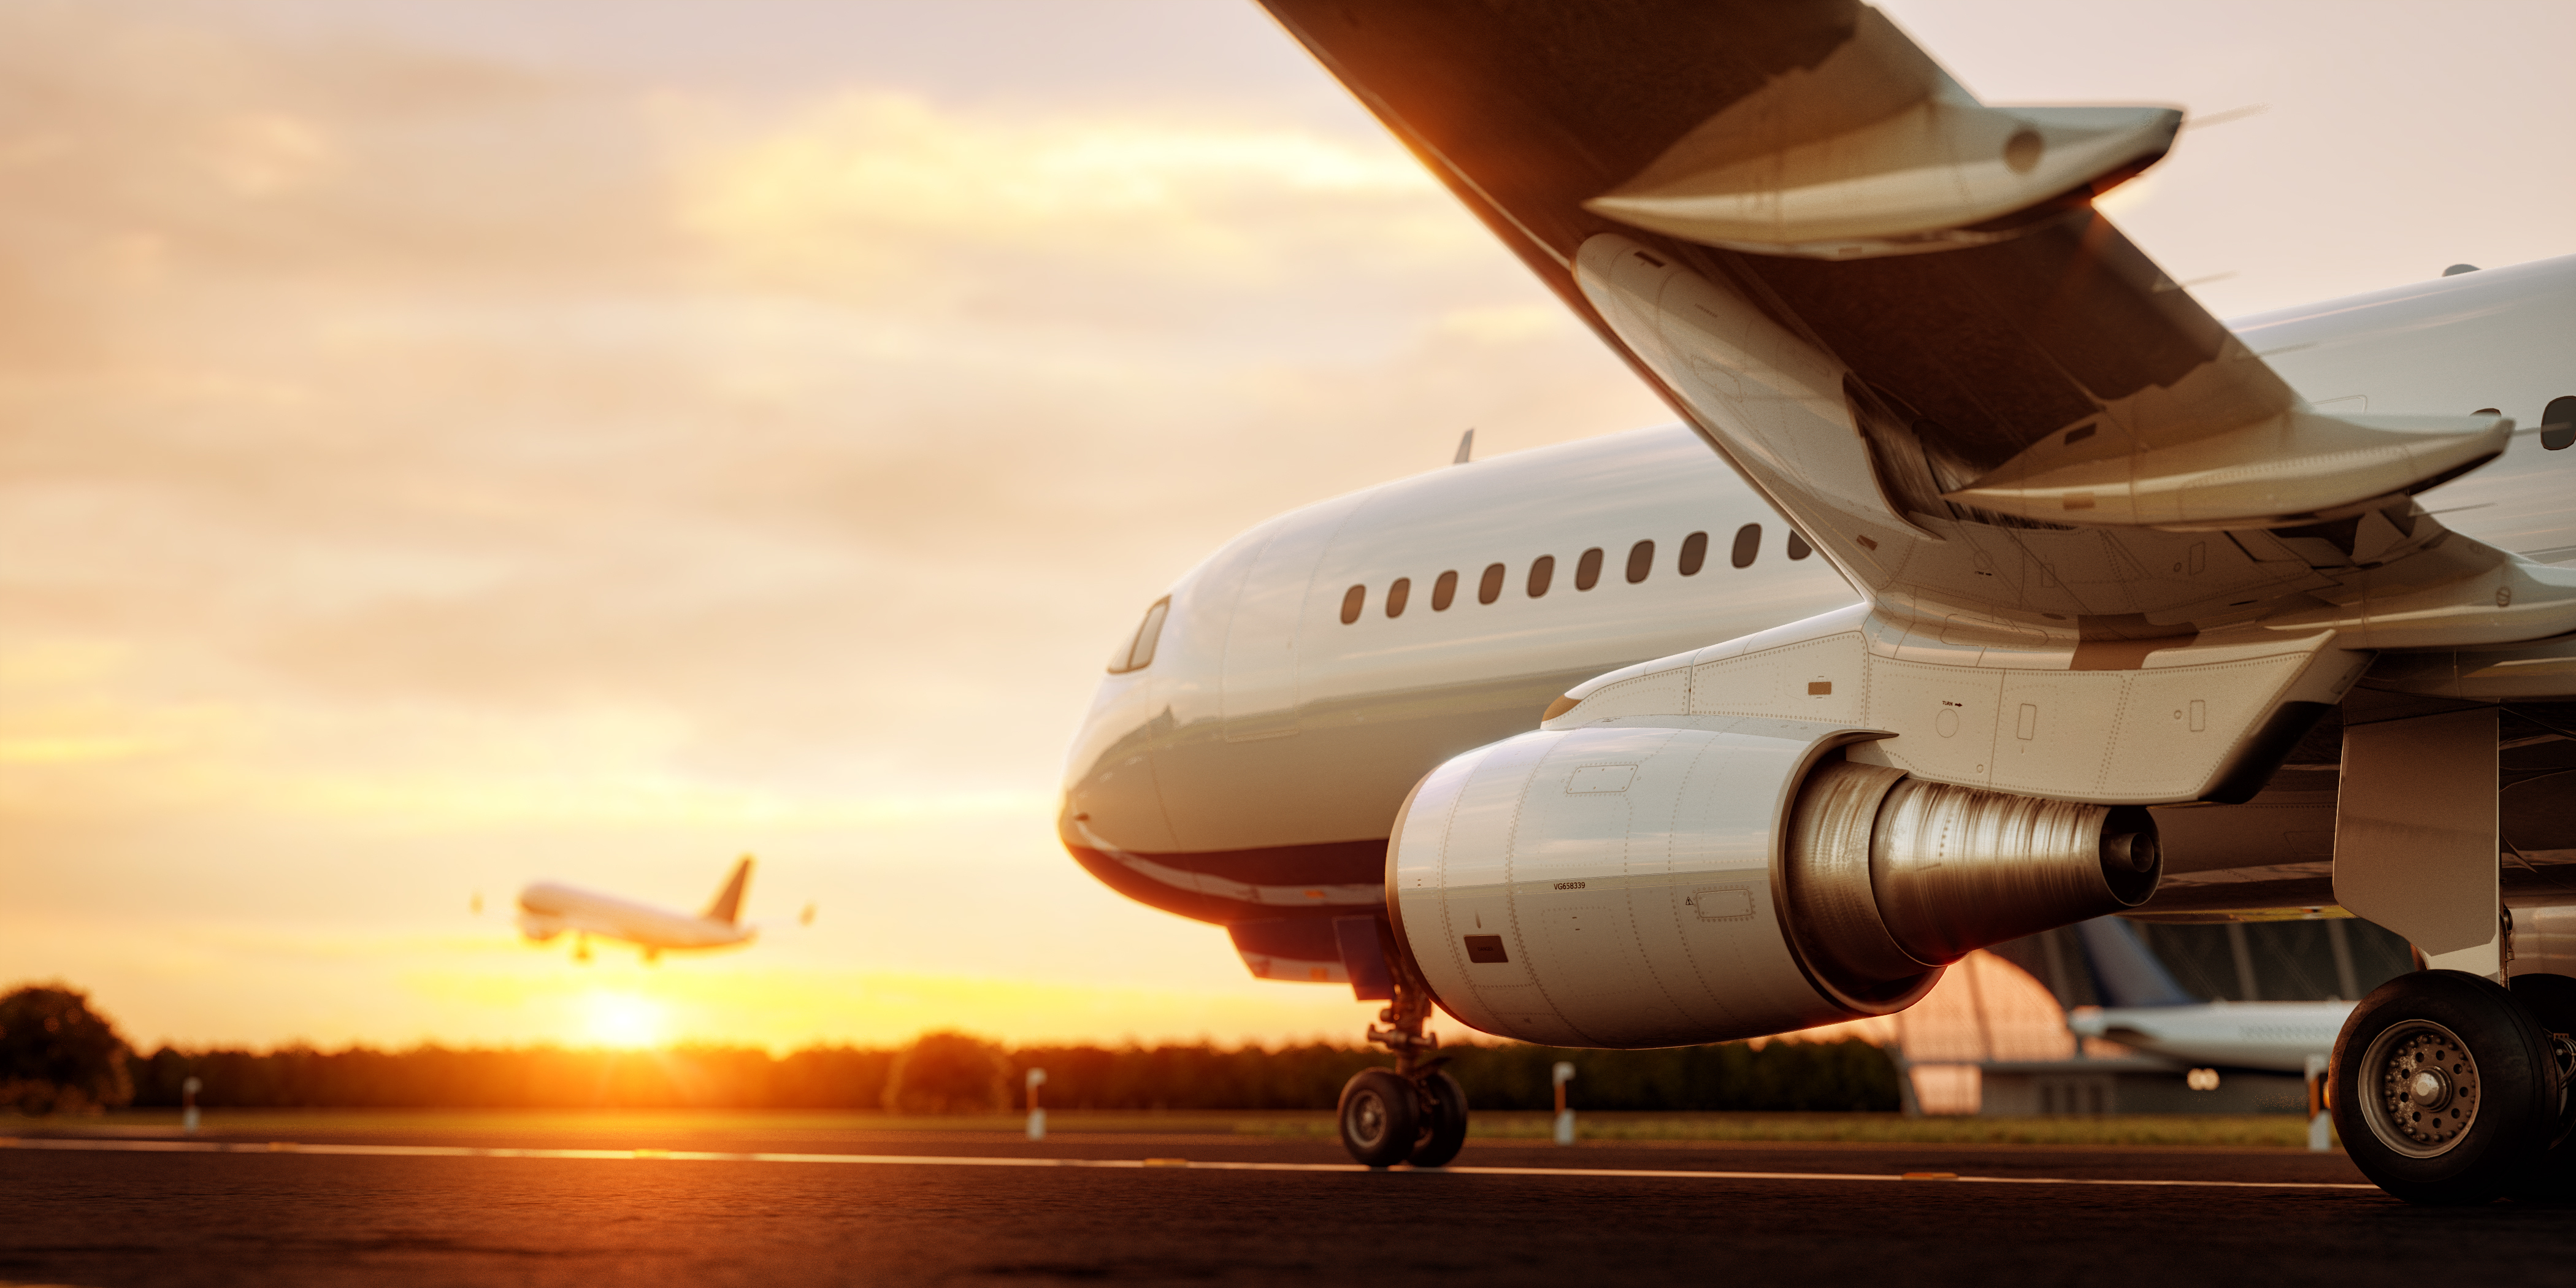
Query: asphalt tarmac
[978,1207]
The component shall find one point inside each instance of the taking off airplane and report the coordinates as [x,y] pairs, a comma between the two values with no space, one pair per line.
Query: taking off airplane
[547,910]
[1987,585]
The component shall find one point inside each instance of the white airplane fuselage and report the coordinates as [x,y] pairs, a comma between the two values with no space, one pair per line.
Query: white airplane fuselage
[1252,771]
[2277,1037]
[547,910]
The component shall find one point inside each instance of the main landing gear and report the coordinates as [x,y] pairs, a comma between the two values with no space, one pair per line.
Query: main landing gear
[1415,1112]
[2450,1089]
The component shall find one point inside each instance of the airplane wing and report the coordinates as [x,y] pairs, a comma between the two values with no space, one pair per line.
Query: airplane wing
[2110,556]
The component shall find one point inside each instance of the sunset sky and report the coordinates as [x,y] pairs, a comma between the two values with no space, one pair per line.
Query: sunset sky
[447,445]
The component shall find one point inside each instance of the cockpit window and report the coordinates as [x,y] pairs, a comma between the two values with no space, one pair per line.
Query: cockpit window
[1139,652]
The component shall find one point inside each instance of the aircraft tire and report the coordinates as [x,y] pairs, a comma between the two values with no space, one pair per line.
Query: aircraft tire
[2445,1088]
[2552,999]
[1444,1127]
[1381,1117]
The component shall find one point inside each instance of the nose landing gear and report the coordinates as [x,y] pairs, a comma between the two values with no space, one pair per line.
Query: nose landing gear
[1415,1112]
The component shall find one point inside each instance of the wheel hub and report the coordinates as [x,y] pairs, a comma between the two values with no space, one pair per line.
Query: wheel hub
[1368,1119]
[2426,1085]
[2429,1089]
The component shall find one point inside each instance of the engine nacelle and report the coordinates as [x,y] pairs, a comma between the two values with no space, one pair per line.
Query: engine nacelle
[1677,879]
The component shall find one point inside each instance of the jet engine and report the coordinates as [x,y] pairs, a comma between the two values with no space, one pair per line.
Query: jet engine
[1675,880]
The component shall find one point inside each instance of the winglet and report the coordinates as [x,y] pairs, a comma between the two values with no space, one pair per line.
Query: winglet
[728,905]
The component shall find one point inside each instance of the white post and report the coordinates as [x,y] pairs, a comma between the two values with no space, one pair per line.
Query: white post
[188,1099]
[1037,1116]
[2320,1128]
[1564,1116]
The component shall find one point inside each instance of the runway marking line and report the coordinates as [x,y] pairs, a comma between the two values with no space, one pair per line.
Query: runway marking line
[959,1160]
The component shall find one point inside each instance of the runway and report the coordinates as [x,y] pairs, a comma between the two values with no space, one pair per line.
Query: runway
[977,1207]
[1164,1161]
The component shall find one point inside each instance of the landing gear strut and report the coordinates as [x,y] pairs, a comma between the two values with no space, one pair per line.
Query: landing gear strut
[2446,1089]
[1415,1112]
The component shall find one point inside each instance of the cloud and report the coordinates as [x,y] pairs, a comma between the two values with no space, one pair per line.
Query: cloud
[851,191]
[429,469]
[1507,324]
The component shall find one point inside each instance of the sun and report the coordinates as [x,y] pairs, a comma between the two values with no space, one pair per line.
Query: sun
[623,1020]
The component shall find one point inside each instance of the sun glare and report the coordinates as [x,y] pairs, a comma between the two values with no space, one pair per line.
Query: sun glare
[623,1020]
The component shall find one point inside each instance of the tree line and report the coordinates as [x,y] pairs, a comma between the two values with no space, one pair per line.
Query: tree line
[953,1073]
[58,1055]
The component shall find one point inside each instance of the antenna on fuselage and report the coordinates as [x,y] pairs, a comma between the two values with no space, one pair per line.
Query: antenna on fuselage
[1466,446]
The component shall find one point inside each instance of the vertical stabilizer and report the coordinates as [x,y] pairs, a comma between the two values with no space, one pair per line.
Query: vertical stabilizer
[2124,970]
[728,905]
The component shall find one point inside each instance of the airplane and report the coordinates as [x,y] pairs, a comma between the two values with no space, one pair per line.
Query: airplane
[2149,1012]
[547,909]
[1987,584]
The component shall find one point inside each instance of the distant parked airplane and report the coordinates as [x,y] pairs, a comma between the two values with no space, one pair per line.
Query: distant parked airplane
[547,910]
[2152,1014]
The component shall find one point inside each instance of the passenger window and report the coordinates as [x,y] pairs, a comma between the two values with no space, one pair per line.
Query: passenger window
[1641,560]
[1587,570]
[1139,651]
[1748,543]
[1444,592]
[1542,571]
[1798,547]
[2558,424]
[1490,588]
[1353,600]
[1694,553]
[1396,594]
